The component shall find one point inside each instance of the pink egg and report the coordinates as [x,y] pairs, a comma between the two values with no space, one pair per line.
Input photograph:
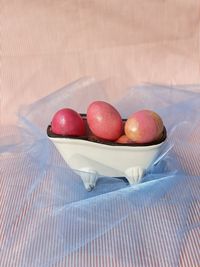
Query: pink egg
[104,120]
[144,126]
[67,121]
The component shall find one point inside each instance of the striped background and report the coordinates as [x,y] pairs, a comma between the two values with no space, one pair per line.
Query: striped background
[46,217]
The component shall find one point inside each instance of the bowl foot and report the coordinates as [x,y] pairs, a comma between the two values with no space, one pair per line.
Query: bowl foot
[89,177]
[134,174]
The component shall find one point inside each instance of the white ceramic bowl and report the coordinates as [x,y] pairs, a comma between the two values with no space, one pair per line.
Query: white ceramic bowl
[92,160]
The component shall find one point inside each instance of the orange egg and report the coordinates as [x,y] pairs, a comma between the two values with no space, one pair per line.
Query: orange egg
[144,126]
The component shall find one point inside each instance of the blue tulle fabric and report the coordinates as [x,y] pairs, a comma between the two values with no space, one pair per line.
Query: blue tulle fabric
[48,215]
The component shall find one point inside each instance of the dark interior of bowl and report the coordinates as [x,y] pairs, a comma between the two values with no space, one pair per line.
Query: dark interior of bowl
[92,138]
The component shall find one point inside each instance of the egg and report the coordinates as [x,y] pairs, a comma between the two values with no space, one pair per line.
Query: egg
[123,139]
[104,120]
[67,121]
[144,126]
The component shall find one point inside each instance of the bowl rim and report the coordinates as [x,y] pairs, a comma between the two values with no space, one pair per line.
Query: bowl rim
[106,142]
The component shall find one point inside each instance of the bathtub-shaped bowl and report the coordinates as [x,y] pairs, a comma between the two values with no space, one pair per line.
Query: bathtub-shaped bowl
[92,159]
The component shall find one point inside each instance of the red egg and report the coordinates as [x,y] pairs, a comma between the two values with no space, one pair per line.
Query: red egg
[104,120]
[67,121]
[144,126]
